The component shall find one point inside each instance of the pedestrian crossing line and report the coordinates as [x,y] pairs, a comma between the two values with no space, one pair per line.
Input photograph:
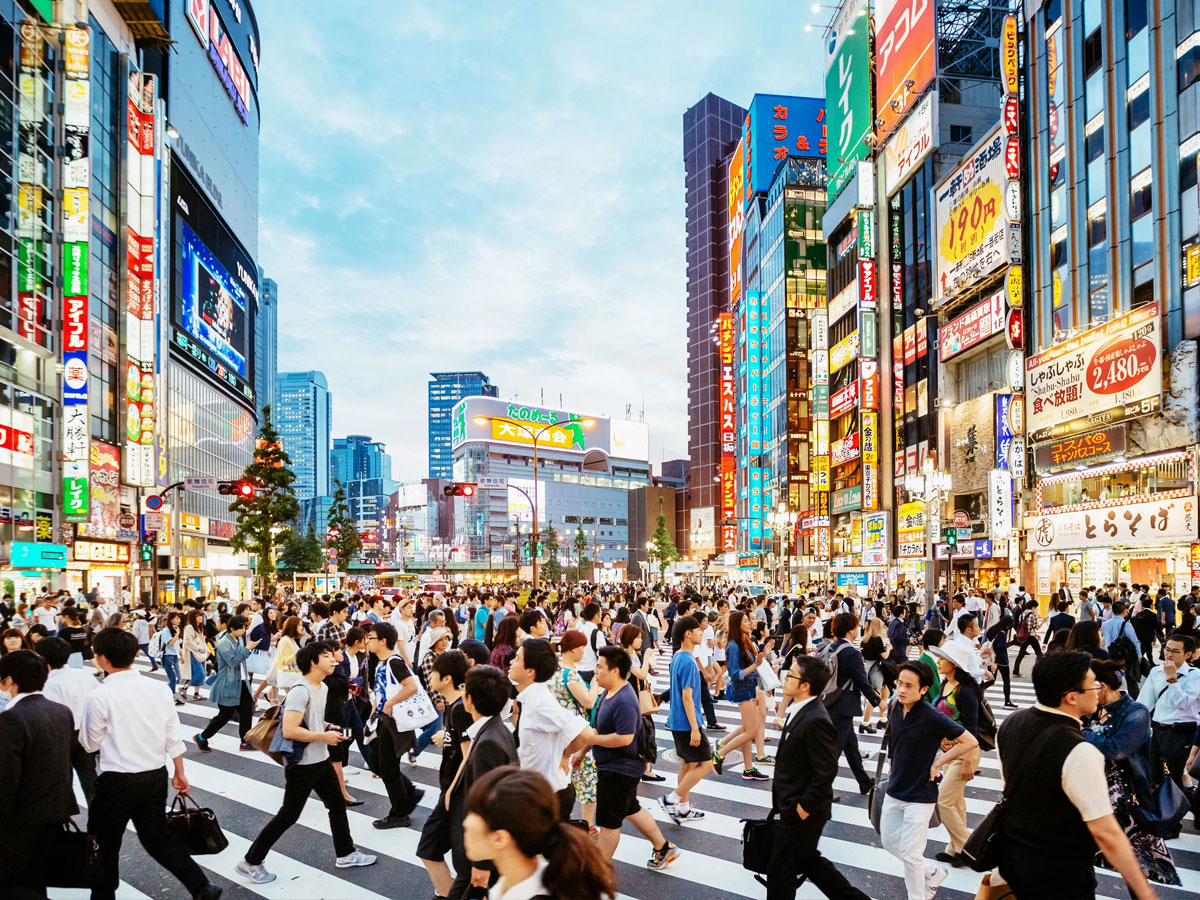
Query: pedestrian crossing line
[125,891]
[317,882]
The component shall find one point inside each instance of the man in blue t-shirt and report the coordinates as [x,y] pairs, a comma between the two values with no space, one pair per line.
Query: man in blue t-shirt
[481,616]
[618,767]
[683,720]
[916,731]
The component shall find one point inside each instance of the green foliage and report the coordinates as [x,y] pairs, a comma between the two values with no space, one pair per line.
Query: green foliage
[264,519]
[663,550]
[551,569]
[582,563]
[341,523]
[301,554]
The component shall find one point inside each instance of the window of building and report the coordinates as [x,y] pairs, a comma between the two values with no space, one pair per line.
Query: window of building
[960,134]
[1093,53]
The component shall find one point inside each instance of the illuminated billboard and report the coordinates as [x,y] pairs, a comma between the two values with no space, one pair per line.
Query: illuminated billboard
[848,91]
[904,58]
[501,422]
[776,127]
[214,305]
[737,217]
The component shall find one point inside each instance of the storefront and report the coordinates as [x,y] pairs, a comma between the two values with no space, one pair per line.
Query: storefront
[100,566]
[32,566]
[1133,521]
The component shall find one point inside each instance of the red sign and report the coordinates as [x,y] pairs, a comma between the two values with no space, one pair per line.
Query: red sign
[15,440]
[973,327]
[910,346]
[75,323]
[869,371]
[1014,329]
[1012,158]
[844,400]
[922,339]
[1010,116]
[867,293]
[904,60]
[28,306]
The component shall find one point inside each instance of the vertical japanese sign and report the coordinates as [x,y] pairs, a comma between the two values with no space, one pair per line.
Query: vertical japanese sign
[848,91]
[737,218]
[75,445]
[140,400]
[905,59]
[728,413]
[778,127]
[755,359]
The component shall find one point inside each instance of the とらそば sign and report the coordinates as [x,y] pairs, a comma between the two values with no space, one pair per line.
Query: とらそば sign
[1130,524]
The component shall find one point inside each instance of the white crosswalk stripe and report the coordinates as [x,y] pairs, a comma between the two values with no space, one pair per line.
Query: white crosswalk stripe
[245,790]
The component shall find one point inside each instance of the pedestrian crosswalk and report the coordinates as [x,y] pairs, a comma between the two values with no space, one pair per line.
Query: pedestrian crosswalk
[246,788]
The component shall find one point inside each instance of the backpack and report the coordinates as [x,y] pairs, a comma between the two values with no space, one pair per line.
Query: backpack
[1024,629]
[833,690]
[987,726]
[1123,648]
[156,644]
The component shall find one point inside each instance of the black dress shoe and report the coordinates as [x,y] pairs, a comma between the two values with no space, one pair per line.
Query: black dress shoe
[208,892]
[392,822]
[837,798]
[954,859]
[350,803]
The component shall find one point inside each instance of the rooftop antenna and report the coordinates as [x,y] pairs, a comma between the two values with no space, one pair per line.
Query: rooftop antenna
[560,403]
[642,411]
[628,410]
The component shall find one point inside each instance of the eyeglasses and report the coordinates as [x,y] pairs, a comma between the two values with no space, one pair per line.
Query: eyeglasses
[799,678]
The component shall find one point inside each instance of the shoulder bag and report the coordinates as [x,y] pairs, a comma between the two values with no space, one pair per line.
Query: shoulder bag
[758,838]
[262,734]
[983,848]
[414,713]
[195,826]
[879,790]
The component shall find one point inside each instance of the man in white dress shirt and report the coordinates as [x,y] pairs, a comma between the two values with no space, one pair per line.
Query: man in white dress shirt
[72,688]
[131,720]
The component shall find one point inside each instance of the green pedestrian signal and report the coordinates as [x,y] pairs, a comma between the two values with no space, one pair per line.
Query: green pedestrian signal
[952,536]
[147,553]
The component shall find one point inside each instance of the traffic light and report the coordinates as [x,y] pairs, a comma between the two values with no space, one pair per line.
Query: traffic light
[459,489]
[369,537]
[952,536]
[147,553]
[243,489]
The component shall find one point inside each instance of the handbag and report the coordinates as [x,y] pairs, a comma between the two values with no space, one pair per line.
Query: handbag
[414,713]
[76,856]
[287,677]
[1171,804]
[262,734]
[767,679]
[195,826]
[258,663]
[647,742]
[984,847]
[646,702]
[758,839]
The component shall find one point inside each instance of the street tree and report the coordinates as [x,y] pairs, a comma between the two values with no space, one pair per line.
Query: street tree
[301,554]
[264,517]
[551,568]
[341,533]
[581,560]
[662,550]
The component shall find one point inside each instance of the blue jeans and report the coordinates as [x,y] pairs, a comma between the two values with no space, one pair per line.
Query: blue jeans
[145,648]
[425,738]
[355,723]
[171,664]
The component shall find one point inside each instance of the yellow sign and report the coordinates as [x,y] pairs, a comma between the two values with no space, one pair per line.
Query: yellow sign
[1015,292]
[1008,55]
[77,53]
[189,562]
[870,492]
[970,222]
[843,351]
[191,522]
[555,437]
[870,437]
[821,471]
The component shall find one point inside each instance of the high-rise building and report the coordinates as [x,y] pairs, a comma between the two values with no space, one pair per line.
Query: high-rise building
[356,457]
[303,413]
[266,342]
[711,130]
[445,390]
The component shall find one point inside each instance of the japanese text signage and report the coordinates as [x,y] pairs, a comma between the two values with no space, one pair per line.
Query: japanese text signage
[211,33]
[728,404]
[867,294]
[778,127]
[1087,448]
[1108,374]
[848,91]
[755,354]
[972,223]
[1000,497]
[913,141]
[973,327]
[904,58]
[1130,524]
[737,216]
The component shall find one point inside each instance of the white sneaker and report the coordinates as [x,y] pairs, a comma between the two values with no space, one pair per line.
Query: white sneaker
[357,858]
[258,874]
[934,881]
[350,770]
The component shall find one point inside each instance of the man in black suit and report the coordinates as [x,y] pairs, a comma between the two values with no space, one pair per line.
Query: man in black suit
[852,679]
[37,743]
[492,745]
[1061,619]
[802,792]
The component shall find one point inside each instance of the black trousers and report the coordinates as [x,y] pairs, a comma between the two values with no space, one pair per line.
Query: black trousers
[84,764]
[794,853]
[385,762]
[140,798]
[245,714]
[1005,676]
[298,783]
[566,802]
[1169,746]
[847,742]
[23,863]
[1037,651]
[706,702]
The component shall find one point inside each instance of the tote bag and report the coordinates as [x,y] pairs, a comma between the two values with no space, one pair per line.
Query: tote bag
[414,713]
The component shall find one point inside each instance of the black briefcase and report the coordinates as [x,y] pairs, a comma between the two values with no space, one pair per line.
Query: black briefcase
[758,837]
[76,859]
[195,827]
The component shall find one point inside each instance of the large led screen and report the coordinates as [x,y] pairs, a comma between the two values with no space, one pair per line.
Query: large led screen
[214,304]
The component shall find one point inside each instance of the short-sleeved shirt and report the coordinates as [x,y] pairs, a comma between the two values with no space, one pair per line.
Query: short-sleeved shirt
[619,714]
[400,673]
[684,674]
[456,721]
[545,729]
[916,738]
[305,698]
[481,619]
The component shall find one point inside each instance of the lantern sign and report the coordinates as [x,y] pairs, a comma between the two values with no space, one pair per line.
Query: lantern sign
[1014,329]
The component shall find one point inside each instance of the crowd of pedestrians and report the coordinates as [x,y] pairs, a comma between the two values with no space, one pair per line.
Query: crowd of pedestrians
[543,706]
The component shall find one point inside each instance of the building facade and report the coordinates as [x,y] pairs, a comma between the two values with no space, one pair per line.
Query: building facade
[266,342]
[303,414]
[357,457]
[445,390]
[711,130]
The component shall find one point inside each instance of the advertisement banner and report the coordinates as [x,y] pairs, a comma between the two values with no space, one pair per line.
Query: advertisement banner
[1108,374]
[913,141]
[904,58]
[776,127]
[1000,497]
[755,356]
[728,395]
[869,378]
[737,215]
[844,400]
[870,437]
[821,473]
[1132,524]
[1004,430]
[875,539]
[971,221]
[867,292]
[1096,447]
[846,500]
[870,486]
[973,327]
[847,449]
[848,91]
[844,352]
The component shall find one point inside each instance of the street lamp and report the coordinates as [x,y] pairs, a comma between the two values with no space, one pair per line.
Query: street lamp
[782,521]
[535,435]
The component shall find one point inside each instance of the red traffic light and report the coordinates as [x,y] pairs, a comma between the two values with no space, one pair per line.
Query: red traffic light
[369,536]
[245,489]
[468,490]
[459,489]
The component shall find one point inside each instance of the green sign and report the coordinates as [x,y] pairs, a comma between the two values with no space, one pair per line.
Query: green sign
[866,234]
[867,343]
[847,499]
[75,269]
[847,92]
[820,401]
[45,9]
[75,497]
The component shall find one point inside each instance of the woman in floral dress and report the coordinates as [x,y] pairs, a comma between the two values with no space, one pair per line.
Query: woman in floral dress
[574,694]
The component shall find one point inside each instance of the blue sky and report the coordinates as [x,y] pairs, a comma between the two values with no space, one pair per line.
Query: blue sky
[496,187]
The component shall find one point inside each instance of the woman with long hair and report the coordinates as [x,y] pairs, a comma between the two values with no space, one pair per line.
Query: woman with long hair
[874,649]
[283,672]
[512,821]
[12,640]
[505,646]
[742,664]
[960,700]
[997,636]
[630,640]
[573,693]
[171,639]
[193,653]
[1085,636]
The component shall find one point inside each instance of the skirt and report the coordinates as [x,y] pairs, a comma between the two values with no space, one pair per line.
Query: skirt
[197,672]
[1152,852]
